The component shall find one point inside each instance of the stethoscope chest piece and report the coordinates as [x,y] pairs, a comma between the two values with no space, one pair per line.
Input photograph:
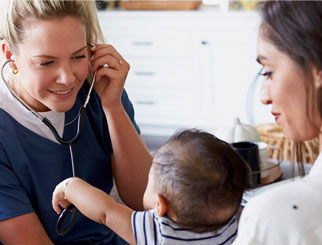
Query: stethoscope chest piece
[62,219]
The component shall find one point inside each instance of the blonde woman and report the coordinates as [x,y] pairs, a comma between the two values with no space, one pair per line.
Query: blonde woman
[46,61]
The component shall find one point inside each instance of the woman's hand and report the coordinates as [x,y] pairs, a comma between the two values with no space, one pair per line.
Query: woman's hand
[112,71]
[59,196]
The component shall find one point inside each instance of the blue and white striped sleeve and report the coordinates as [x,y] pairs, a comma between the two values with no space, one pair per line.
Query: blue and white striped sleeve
[144,228]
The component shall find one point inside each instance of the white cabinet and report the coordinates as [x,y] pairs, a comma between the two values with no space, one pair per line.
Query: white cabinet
[188,69]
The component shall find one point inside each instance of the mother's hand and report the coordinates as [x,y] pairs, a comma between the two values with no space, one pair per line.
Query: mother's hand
[112,71]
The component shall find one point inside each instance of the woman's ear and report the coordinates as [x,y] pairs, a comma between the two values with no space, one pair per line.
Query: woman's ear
[162,206]
[6,50]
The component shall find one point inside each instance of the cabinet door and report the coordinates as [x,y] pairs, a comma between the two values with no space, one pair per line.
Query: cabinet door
[161,79]
[227,60]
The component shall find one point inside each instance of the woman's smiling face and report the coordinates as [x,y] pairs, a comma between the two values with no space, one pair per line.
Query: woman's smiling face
[52,63]
[283,87]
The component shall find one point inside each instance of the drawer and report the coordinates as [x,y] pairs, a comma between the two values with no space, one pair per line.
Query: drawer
[160,74]
[174,45]
[162,107]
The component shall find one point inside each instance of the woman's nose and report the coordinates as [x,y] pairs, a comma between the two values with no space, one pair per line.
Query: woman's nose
[264,93]
[66,75]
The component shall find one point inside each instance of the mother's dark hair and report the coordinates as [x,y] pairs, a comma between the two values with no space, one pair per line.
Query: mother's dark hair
[295,28]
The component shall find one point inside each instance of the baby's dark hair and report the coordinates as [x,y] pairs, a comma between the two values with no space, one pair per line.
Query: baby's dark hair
[201,177]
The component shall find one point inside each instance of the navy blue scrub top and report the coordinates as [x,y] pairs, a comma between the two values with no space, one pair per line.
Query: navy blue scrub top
[31,166]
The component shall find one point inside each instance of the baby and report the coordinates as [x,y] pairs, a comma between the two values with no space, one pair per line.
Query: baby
[195,187]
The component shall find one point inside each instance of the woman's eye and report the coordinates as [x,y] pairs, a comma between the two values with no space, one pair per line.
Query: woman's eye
[79,57]
[46,63]
[73,58]
[267,74]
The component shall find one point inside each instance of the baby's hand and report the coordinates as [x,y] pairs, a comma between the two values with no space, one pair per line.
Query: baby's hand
[59,196]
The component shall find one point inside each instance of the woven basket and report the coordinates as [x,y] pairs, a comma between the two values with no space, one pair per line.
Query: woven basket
[282,148]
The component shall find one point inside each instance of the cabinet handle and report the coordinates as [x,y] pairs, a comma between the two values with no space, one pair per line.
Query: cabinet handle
[144,73]
[145,102]
[142,43]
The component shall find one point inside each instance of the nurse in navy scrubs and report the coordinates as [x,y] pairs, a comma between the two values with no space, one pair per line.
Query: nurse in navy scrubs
[47,42]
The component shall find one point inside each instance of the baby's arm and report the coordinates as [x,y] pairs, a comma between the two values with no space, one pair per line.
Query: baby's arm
[94,204]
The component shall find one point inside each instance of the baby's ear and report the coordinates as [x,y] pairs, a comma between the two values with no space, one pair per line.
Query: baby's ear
[162,206]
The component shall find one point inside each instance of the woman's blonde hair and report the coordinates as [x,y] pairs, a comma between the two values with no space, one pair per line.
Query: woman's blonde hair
[14,14]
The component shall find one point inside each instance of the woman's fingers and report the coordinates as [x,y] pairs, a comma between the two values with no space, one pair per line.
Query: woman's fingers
[112,74]
[107,61]
[102,49]
[106,54]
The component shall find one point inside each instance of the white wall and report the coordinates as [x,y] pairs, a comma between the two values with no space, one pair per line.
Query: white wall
[188,69]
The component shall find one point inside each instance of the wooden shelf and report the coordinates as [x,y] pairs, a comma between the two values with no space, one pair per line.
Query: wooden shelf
[274,174]
[160,5]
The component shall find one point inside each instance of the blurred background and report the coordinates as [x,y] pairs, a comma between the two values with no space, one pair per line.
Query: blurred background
[193,63]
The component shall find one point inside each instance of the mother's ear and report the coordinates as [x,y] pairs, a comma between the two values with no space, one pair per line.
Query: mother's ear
[317,76]
[319,100]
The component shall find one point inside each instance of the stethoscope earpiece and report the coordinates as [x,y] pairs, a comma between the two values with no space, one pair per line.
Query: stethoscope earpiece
[91,45]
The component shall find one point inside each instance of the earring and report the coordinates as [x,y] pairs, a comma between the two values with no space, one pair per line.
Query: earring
[14,70]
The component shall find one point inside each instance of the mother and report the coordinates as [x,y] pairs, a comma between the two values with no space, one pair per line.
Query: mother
[290,51]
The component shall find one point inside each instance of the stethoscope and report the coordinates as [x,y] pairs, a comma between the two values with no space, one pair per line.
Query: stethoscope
[70,209]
